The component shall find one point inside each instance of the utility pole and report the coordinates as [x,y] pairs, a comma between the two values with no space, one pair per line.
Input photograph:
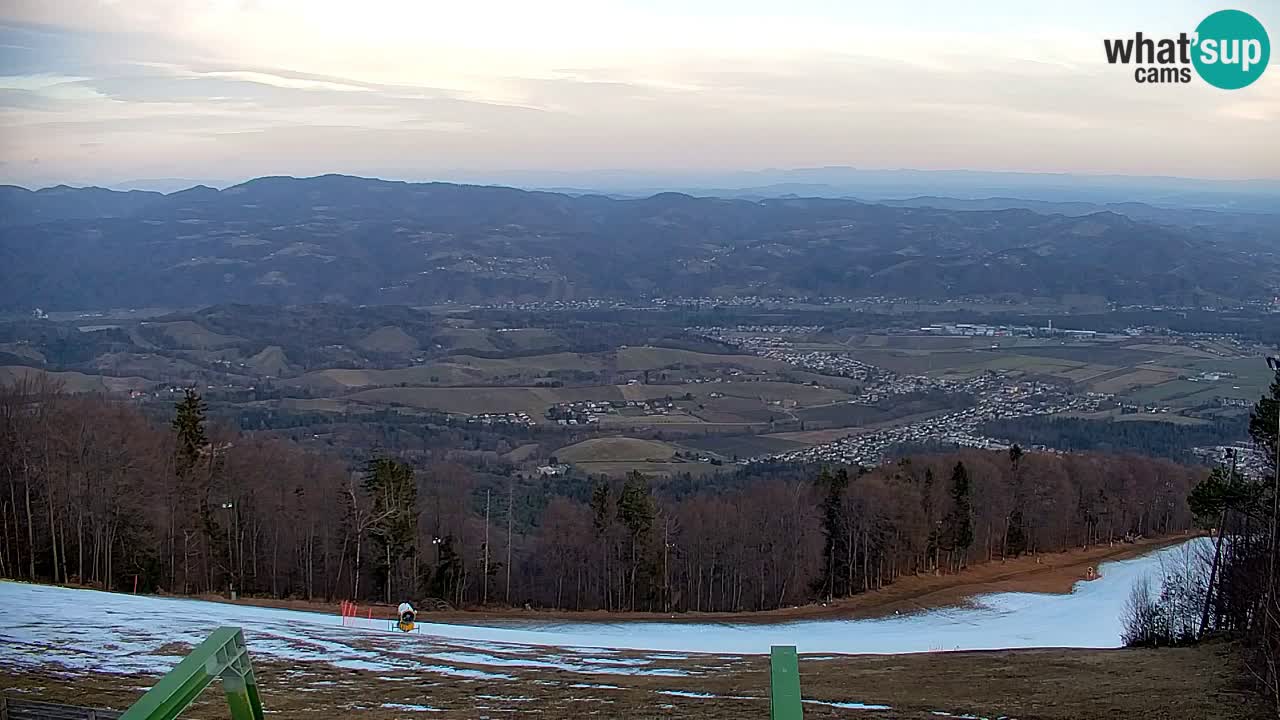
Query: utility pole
[511,494]
[1217,550]
[666,576]
[1274,364]
[230,507]
[485,594]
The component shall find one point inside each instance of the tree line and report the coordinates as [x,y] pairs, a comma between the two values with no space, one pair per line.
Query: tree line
[1235,591]
[95,493]
[1155,438]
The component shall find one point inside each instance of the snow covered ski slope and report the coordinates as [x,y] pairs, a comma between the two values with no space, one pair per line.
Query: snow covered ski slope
[82,630]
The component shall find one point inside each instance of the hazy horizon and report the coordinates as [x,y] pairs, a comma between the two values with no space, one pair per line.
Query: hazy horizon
[104,93]
[728,179]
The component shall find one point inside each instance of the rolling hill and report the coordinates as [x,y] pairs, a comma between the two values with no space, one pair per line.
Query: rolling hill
[348,240]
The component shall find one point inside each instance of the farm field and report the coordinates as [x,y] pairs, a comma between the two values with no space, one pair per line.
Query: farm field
[710,399]
[616,449]
[1141,371]
[72,381]
[650,358]
[389,339]
[486,399]
[743,445]
[186,333]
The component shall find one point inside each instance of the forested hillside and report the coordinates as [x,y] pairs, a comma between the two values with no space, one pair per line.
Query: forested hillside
[1157,439]
[97,494]
[340,239]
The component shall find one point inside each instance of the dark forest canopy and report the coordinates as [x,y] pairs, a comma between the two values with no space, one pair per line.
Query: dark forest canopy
[1145,437]
[95,492]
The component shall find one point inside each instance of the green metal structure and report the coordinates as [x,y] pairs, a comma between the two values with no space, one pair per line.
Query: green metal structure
[221,655]
[224,655]
[784,684]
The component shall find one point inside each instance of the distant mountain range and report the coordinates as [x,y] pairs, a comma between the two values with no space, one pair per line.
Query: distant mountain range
[878,185]
[872,185]
[281,240]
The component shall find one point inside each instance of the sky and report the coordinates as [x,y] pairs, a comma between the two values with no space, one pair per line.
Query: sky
[107,91]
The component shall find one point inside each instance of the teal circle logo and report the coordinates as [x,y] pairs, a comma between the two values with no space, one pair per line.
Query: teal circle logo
[1232,49]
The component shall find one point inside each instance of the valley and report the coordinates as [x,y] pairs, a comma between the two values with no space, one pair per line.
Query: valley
[678,399]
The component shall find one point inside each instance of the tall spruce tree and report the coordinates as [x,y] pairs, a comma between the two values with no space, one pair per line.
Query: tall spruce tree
[934,540]
[835,549]
[194,466]
[602,522]
[636,512]
[1262,422]
[391,485]
[188,426]
[1015,537]
[960,521]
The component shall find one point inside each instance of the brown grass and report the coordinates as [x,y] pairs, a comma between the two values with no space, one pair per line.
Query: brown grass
[1131,380]
[1205,683]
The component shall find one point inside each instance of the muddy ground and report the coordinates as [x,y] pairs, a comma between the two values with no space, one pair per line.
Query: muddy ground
[1050,684]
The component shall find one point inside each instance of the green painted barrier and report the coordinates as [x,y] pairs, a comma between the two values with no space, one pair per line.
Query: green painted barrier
[221,655]
[784,684]
[224,655]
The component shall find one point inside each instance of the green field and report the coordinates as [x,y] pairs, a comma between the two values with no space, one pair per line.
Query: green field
[1252,378]
[616,449]
[478,400]
[189,334]
[852,415]
[72,381]
[1094,354]
[389,339]
[527,339]
[466,339]
[742,445]
[737,410]
[653,358]
[1138,371]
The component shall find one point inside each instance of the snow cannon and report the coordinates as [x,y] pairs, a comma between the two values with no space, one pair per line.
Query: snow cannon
[407,617]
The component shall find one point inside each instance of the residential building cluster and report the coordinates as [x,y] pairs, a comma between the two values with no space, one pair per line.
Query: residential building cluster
[588,412]
[1249,461]
[776,348]
[519,418]
[960,427]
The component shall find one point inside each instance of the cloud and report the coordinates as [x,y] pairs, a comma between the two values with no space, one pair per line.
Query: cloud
[220,88]
[283,81]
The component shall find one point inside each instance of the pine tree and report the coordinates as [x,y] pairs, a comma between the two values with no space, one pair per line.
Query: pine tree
[835,549]
[1220,492]
[1262,422]
[602,522]
[395,493]
[636,512]
[960,521]
[194,467]
[188,425]
[1015,456]
[1015,538]
[446,581]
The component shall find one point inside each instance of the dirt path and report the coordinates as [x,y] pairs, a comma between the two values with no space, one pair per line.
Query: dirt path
[1054,573]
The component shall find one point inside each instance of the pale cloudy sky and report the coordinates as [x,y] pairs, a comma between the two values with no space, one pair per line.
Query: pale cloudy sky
[102,91]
